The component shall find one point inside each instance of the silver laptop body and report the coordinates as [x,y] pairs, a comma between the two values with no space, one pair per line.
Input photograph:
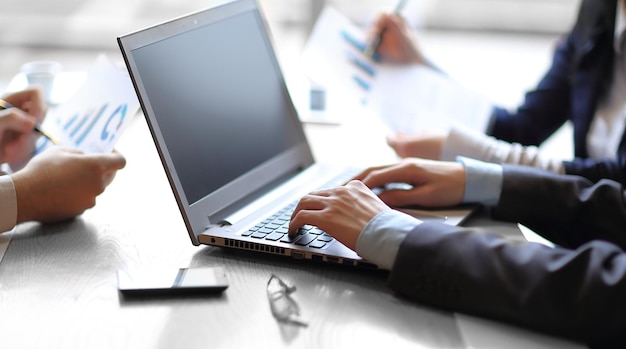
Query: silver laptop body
[226,129]
[224,125]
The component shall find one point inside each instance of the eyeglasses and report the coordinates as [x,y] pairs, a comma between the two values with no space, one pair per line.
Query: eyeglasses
[284,307]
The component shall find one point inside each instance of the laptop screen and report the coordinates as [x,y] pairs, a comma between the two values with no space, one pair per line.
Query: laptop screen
[218,100]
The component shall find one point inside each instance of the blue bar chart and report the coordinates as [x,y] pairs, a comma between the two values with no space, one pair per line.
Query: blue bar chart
[95,117]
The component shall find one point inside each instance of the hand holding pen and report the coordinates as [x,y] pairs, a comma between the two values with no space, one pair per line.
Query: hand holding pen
[20,113]
[371,49]
[397,43]
[18,122]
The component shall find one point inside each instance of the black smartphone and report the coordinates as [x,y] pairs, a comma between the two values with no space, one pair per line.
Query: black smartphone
[181,281]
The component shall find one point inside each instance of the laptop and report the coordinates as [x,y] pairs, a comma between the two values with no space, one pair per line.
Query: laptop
[228,135]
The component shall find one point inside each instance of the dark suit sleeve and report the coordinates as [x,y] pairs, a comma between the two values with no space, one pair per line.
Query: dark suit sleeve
[544,109]
[596,170]
[577,290]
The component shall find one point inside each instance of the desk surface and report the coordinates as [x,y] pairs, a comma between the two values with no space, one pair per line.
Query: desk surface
[58,282]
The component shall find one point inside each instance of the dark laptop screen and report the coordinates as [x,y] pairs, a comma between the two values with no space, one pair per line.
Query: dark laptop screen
[218,96]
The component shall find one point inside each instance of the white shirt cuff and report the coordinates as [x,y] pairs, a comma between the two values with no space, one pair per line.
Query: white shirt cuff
[462,141]
[8,204]
[380,240]
[483,181]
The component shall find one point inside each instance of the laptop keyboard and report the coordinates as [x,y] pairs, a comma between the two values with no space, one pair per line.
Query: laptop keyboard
[275,228]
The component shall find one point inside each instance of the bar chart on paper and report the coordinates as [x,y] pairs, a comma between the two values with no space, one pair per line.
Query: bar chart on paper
[408,98]
[92,130]
[347,71]
[95,117]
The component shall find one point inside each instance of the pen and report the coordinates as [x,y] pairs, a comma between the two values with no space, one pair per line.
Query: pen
[39,130]
[373,46]
[6,105]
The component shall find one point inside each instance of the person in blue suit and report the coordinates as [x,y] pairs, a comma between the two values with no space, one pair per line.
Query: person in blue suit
[586,84]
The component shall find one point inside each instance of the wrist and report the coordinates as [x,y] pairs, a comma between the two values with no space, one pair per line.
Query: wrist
[23,196]
[7,203]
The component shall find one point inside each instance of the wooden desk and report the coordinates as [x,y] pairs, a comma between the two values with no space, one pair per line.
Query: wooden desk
[58,282]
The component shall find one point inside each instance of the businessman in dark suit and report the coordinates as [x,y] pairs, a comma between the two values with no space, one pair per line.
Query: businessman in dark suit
[584,85]
[576,289]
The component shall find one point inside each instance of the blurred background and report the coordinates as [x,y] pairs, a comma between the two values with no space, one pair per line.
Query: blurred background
[497,47]
[95,23]
[66,29]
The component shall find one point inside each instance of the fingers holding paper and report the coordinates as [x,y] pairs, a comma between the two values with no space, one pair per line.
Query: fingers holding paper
[426,144]
[61,183]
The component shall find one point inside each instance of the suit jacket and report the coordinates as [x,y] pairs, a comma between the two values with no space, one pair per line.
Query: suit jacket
[577,289]
[579,77]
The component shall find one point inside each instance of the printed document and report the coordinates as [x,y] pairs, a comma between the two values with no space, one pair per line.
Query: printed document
[407,98]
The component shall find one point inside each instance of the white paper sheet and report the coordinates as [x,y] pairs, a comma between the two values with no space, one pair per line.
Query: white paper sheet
[5,239]
[329,58]
[414,98]
[66,84]
[94,118]
[94,110]
[408,98]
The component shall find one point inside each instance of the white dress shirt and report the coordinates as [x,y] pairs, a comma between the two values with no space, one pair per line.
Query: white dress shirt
[607,127]
[603,138]
[462,141]
[8,204]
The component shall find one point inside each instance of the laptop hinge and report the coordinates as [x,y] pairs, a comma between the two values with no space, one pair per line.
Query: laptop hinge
[255,201]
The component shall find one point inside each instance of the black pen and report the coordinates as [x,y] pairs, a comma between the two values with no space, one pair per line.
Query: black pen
[373,46]
[6,105]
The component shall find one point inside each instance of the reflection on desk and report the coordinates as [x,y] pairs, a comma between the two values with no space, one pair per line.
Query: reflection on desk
[59,290]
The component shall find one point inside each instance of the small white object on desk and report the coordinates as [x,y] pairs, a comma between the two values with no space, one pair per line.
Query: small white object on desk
[43,74]
[313,102]
[65,85]
[91,109]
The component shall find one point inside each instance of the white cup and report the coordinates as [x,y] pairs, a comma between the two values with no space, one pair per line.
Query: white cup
[42,73]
